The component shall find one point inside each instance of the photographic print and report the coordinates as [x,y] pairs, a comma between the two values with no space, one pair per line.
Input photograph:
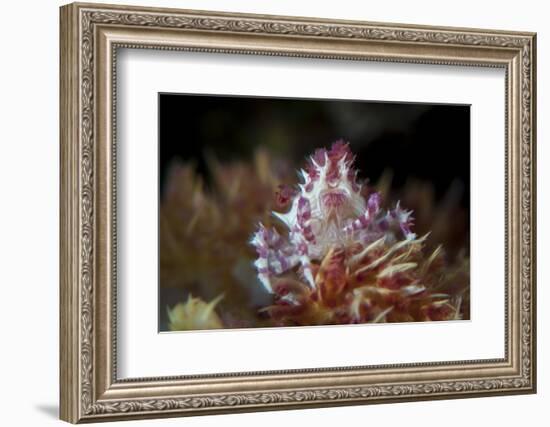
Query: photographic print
[224,186]
[279,212]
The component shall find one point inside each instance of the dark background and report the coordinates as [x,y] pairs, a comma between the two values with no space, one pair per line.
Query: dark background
[427,141]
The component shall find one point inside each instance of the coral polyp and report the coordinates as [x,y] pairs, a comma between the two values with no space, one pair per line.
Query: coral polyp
[343,258]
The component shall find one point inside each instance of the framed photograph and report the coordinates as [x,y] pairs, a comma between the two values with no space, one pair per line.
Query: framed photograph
[266,212]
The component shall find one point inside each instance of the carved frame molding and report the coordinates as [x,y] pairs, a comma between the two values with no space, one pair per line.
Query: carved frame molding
[90,37]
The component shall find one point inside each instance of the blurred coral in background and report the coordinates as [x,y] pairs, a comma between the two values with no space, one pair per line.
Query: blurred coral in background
[347,260]
[204,233]
[194,314]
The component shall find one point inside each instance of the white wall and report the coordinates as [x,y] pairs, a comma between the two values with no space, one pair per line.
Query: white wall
[29,169]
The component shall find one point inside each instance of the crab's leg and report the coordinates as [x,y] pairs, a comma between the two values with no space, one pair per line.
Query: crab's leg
[274,255]
[358,224]
[404,220]
[306,267]
[305,263]
[373,207]
[303,236]
[303,220]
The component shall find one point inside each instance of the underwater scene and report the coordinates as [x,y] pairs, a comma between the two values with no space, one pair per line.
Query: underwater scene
[277,212]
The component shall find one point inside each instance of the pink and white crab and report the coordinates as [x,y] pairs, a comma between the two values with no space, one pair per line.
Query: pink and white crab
[327,210]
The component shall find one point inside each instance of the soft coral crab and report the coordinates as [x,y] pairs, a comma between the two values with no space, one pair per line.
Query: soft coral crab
[329,209]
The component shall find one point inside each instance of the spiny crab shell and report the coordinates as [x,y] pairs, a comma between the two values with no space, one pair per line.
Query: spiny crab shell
[328,211]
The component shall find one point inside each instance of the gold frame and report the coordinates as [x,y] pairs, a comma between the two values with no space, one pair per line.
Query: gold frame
[90,36]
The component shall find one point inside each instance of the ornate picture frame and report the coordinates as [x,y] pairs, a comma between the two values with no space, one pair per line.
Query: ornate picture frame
[90,37]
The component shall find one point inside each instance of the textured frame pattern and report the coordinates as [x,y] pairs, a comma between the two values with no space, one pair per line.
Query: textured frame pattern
[89,387]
